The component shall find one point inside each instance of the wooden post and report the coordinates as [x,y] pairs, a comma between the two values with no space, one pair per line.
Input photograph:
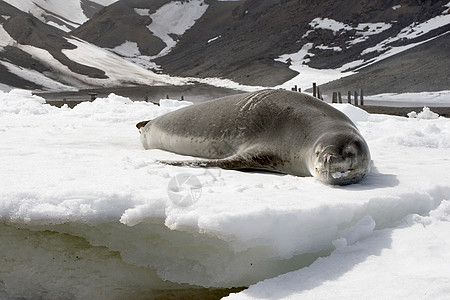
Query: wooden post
[361,97]
[299,90]
[334,98]
[319,93]
[349,97]
[93,96]
[167,96]
[339,97]
[356,98]
[314,89]
[182,98]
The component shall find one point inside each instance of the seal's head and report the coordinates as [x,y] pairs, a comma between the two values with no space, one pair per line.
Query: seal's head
[340,158]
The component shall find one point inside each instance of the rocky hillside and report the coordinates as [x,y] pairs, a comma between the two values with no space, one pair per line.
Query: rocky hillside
[23,33]
[255,33]
[388,45]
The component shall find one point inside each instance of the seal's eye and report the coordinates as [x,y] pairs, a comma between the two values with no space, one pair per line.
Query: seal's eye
[317,153]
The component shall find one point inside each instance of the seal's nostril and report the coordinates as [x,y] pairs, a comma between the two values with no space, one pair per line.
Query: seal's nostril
[328,158]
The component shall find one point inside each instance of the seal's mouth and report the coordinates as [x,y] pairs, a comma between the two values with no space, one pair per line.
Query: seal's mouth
[338,177]
[335,174]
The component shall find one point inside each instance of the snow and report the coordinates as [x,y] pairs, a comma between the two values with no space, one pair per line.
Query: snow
[5,38]
[88,210]
[329,24]
[441,98]
[118,70]
[363,29]
[324,47]
[307,75]
[37,77]
[62,27]
[104,2]
[367,29]
[448,9]
[68,11]
[175,18]
[410,32]
[226,83]
[5,88]
[415,30]
[127,49]
[426,113]
[299,61]
[214,38]
[133,69]
[130,52]
[142,11]
[409,261]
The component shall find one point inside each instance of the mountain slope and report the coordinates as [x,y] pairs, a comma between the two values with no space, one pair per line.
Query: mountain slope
[119,23]
[36,55]
[423,68]
[262,43]
[65,15]
[261,31]
[25,38]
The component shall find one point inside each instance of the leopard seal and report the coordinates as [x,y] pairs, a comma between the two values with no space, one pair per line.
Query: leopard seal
[275,130]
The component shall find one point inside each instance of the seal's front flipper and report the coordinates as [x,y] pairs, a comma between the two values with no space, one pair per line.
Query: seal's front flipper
[258,161]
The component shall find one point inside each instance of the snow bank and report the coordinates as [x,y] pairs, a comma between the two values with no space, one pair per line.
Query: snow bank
[409,261]
[24,103]
[426,113]
[90,210]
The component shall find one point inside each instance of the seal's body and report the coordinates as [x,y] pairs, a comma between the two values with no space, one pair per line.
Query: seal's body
[275,130]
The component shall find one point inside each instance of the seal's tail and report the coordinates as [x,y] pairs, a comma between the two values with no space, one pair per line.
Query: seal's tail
[141,125]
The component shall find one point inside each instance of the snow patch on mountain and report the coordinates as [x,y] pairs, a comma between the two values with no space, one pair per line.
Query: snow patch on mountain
[119,71]
[104,2]
[410,32]
[68,12]
[127,49]
[5,38]
[175,18]
[65,15]
[36,77]
[364,30]
[329,24]
[299,62]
